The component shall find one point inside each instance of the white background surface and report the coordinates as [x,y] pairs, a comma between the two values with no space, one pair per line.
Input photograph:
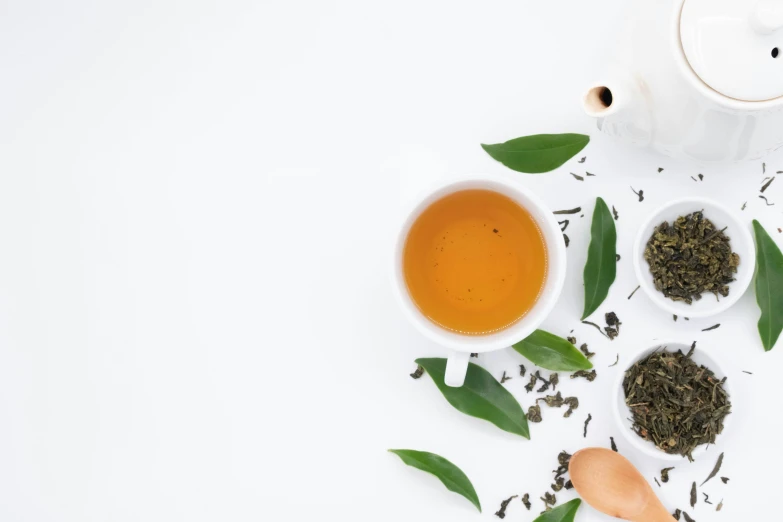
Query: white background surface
[196,206]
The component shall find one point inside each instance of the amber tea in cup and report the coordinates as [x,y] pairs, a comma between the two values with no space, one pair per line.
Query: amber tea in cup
[475,262]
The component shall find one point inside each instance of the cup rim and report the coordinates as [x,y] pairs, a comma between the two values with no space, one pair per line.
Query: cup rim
[555,274]
[703,308]
[620,409]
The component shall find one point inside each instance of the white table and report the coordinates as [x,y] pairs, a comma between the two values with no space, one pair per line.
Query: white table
[196,205]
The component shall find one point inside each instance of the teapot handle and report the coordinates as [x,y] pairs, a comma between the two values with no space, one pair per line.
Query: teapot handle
[767,16]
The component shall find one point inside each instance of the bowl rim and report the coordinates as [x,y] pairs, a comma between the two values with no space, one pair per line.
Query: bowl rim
[647,447]
[703,309]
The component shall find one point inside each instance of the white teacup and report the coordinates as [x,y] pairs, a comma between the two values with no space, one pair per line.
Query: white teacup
[462,346]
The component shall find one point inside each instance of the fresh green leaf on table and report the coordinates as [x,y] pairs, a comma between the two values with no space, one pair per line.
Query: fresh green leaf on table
[481,396]
[552,352]
[601,266]
[451,476]
[538,153]
[564,513]
[769,286]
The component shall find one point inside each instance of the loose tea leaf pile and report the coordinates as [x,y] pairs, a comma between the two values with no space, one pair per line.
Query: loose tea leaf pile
[676,404]
[689,257]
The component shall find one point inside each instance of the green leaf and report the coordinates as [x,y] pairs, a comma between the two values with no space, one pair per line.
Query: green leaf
[451,476]
[769,286]
[552,352]
[564,513]
[538,153]
[601,265]
[481,396]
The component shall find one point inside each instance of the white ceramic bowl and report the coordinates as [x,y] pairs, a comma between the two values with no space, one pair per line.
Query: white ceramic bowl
[622,413]
[741,243]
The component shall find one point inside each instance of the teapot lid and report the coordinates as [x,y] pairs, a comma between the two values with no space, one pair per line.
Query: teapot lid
[735,46]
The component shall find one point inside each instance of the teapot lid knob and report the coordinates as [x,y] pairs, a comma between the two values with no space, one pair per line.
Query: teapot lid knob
[735,46]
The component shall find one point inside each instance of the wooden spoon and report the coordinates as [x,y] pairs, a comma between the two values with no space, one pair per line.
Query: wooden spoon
[611,484]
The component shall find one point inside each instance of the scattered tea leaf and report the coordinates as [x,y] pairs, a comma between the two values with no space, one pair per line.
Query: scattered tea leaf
[763,168]
[677,513]
[701,177]
[656,481]
[569,485]
[501,513]
[744,205]
[617,258]
[675,317]
[576,210]
[660,170]
[746,371]
[587,421]
[565,225]
[504,378]
[596,327]
[693,495]
[590,376]
[530,385]
[582,160]
[585,351]
[615,214]
[553,401]
[715,470]
[534,413]
[481,396]
[538,153]
[720,505]
[578,177]
[474,355]
[640,194]
[572,403]
[713,327]
[706,498]
[567,240]
[590,174]
[769,286]
[522,370]
[601,267]
[614,446]
[766,201]
[694,179]
[687,517]
[725,480]
[552,352]
[634,291]
[526,500]
[451,476]
[563,461]
[558,484]
[418,372]
[549,500]
[564,513]
[617,360]
[554,380]
[766,185]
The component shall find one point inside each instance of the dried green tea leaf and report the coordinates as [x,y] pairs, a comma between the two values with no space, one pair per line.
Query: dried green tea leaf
[572,403]
[552,352]
[715,470]
[564,513]
[590,376]
[501,513]
[418,372]
[481,396]
[587,421]
[538,153]
[769,286]
[690,257]
[601,266]
[553,401]
[665,474]
[450,475]
[693,494]
[534,413]
[558,485]
[675,403]
[526,500]
[614,446]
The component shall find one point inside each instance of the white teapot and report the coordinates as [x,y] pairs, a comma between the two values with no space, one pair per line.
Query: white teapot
[698,79]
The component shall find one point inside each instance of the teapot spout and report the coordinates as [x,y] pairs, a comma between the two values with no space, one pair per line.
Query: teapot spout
[621,108]
[607,98]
